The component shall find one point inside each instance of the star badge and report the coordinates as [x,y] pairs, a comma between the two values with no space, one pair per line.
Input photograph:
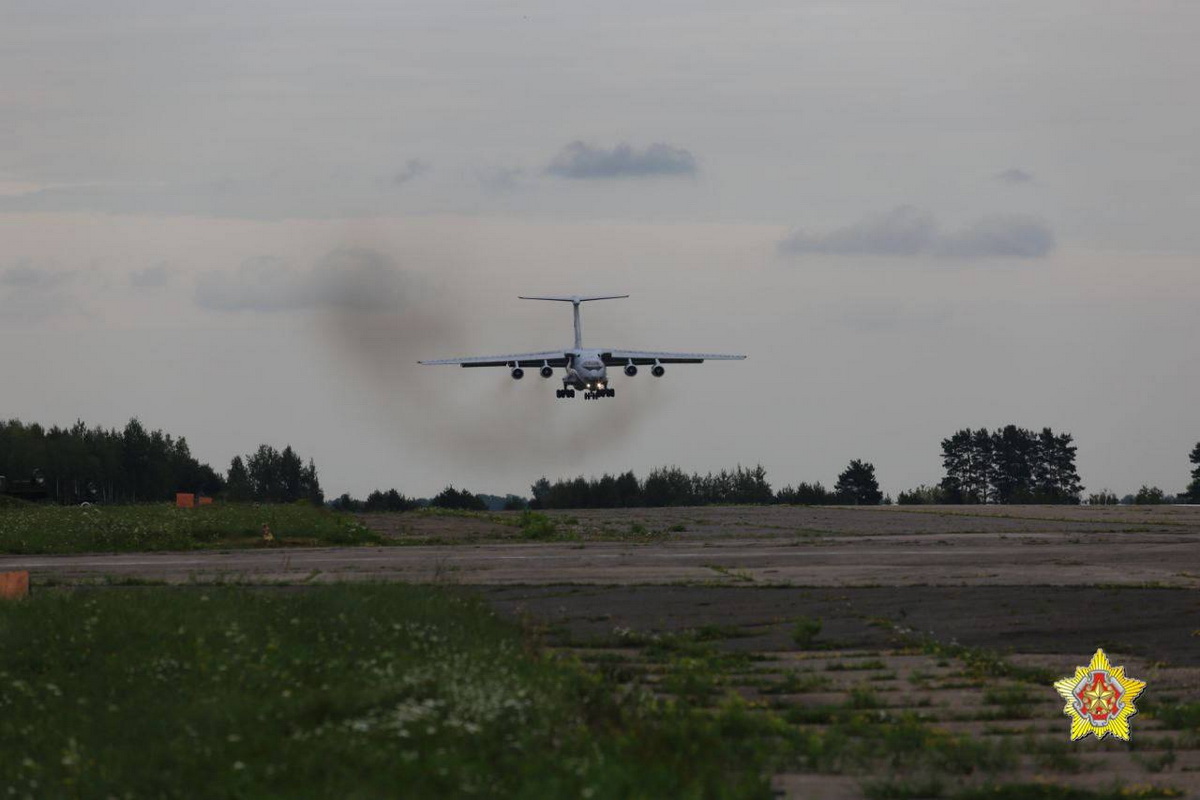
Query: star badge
[1099,699]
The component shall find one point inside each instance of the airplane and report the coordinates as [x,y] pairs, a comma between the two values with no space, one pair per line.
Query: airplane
[585,369]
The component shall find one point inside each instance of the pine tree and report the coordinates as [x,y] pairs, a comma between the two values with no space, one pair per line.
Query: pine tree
[956,460]
[237,482]
[1193,490]
[857,485]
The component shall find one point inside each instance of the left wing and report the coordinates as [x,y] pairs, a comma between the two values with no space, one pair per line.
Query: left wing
[617,358]
[555,358]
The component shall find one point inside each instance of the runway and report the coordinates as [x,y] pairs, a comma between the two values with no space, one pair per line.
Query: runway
[1041,559]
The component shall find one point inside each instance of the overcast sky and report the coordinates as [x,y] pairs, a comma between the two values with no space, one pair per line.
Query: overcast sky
[245,222]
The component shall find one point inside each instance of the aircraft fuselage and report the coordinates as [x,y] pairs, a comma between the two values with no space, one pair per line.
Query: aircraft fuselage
[585,370]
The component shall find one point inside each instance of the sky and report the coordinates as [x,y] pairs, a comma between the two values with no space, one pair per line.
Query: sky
[245,222]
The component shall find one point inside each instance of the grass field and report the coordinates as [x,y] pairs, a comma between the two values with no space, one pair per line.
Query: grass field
[37,529]
[364,691]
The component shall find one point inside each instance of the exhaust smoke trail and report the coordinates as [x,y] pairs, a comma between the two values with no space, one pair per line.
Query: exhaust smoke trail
[478,416]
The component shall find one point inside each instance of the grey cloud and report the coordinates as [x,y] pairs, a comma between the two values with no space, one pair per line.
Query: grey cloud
[414,168]
[1014,175]
[153,277]
[352,279]
[26,277]
[582,160]
[903,231]
[907,231]
[1012,236]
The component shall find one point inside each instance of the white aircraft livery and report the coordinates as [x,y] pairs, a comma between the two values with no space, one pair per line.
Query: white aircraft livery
[585,368]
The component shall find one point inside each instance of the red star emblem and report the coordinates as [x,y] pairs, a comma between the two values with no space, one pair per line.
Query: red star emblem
[1099,698]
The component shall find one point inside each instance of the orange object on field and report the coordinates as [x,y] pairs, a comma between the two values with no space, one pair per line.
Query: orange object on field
[185,499]
[204,501]
[14,585]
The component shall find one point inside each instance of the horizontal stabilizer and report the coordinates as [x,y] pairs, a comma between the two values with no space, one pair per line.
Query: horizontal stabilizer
[578,298]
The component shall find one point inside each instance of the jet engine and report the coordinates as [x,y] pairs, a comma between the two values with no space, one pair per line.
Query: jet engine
[546,371]
[518,373]
[630,370]
[658,370]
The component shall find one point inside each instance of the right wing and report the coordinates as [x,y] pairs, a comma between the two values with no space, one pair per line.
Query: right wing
[555,358]
[616,358]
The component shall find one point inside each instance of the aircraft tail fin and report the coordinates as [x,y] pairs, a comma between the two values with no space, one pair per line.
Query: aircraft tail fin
[575,300]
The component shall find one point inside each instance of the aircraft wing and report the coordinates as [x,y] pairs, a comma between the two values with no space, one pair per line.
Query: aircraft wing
[555,358]
[618,358]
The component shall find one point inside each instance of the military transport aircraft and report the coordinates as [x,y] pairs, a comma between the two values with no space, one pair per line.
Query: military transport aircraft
[585,369]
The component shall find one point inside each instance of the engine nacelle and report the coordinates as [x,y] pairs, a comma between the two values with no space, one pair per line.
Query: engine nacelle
[658,370]
[518,373]
[630,370]
[546,371]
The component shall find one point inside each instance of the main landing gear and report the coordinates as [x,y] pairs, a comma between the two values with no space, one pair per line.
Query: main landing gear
[592,394]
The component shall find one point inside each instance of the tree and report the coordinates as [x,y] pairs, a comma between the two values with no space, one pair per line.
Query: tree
[922,496]
[71,465]
[391,500]
[1103,498]
[1149,496]
[540,493]
[1013,453]
[1193,490]
[237,482]
[1009,465]
[458,499]
[346,503]
[514,502]
[857,485]
[805,494]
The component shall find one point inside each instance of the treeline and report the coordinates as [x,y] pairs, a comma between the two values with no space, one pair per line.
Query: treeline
[134,465]
[450,498]
[671,486]
[1009,465]
[273,476]
[1193,490]
[82,464]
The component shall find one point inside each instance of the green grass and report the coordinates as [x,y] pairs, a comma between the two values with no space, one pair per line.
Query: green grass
[805,631]
[333,691]
[36,529]
[1182,716]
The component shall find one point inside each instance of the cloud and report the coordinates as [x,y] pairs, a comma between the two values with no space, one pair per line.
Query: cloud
[903,231]
[1012,236]
[414,168]
[582,160]
[154,277]
[355,279]
[1014,176]
[908,231]
[28,278]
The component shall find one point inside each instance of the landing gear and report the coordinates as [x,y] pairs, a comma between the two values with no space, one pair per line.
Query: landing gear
[561,393]
[596,394]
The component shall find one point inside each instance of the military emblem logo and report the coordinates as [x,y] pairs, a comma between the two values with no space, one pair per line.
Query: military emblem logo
[1099,699]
